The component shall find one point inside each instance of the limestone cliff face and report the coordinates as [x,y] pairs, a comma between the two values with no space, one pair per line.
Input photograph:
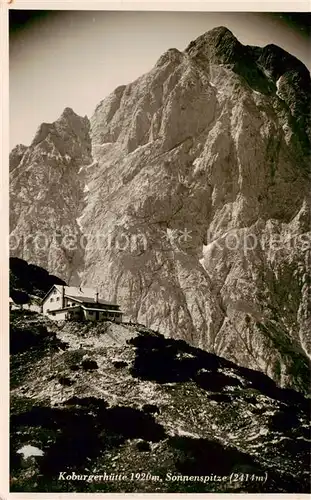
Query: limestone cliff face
[196,216]
[46,194]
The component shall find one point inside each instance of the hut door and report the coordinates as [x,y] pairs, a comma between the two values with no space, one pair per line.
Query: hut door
[97,315]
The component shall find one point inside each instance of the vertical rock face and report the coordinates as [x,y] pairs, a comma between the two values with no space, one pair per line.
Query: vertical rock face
[196,216]
[46,194]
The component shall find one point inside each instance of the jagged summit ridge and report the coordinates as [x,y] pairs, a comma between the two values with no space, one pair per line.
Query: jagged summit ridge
[268,69]
[171,55]
[69,123]
[219,45]
[69,112]
[265,69]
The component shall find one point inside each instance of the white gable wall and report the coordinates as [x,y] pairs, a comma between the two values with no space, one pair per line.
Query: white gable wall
[53,300]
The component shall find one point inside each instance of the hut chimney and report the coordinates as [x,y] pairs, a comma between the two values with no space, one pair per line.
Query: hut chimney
[96,297]
[63,296]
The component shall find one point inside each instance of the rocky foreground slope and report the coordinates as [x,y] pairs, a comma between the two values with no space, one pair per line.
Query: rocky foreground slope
[186,199]
[147,414]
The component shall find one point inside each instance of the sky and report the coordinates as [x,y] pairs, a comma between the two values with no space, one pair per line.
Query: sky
[74,59]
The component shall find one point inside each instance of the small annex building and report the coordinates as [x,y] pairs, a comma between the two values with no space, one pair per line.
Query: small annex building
[77,303]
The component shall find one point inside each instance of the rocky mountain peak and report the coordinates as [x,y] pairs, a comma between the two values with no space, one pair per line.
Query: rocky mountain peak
[221,46]
[47,192]
[69,135]
[72,120]
[268,70]
[171,55]
[68,121]
[218,45]
[69,112]
[186,166]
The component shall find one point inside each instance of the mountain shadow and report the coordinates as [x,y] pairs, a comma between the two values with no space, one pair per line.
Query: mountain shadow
[165,360]
[30,279]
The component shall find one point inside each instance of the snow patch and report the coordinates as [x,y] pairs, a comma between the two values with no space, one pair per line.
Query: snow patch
[278,88]
[78,221]
[86,189]
[91,164]
[203,370]
[197,164]
[84,167]
[30,451]
[201,261]
[181,432]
